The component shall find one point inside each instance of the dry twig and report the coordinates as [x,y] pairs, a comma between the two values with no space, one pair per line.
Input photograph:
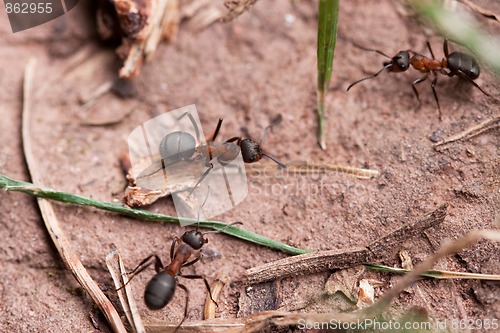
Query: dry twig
[384,302]
[445,250]
[302,167]
[472,131]
[481,11]
[215,290]
[62,244]
[335,259]
[124,290]
[236,8]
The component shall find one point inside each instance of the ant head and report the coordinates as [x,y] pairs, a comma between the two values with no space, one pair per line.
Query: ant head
[399,63]
[177,146]
[250,151]
[194,238]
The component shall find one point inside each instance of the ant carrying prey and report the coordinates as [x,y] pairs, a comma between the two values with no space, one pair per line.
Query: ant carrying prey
[184,251]
[458,64]
[181,149]
[181,145]
[224,153]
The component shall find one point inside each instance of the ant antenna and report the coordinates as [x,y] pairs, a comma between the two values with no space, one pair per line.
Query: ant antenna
[222,230]
[388,66]
[281,165]
[370,50]
[278,119]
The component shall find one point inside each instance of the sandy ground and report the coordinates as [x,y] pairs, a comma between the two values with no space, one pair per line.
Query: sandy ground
[247,72]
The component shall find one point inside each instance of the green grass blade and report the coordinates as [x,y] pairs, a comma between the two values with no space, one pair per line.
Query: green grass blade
[328,15]
[19,186]
[437,274]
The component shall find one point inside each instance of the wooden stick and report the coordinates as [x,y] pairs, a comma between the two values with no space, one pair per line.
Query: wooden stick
[472,131]
[62,244]
[335,259]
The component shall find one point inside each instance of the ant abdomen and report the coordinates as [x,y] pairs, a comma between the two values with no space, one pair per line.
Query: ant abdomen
[159,291]
[465,63]
[177,146]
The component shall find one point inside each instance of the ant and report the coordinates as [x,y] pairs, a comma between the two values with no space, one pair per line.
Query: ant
[160,289]
[453,64]
[181,146]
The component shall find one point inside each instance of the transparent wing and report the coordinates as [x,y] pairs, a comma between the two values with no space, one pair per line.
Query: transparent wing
[175,176]
[192,178]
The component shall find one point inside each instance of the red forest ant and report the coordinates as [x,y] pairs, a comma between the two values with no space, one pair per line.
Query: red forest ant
[454,64]
[182,146]
[160,289]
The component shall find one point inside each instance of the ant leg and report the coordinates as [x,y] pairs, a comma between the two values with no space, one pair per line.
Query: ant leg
[236,138]
[164,169]
[196,129]
[192,262]
[145,263]
[148,261]
[172,247]
[216,132]
[210,166]
[199,277]
[228,186]
[433,85]
[445,72]
[199,212]
[430,50]
[418,81]
[183,287]
[465,77]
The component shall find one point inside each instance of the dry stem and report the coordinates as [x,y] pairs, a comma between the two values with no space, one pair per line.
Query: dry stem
[63,246]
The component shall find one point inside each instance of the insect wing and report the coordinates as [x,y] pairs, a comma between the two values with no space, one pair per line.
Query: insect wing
[149,170]
[178,176]
[226,184]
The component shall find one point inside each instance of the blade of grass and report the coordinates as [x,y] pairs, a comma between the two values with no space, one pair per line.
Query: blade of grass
[437,274]
[328,14]
[20,186]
